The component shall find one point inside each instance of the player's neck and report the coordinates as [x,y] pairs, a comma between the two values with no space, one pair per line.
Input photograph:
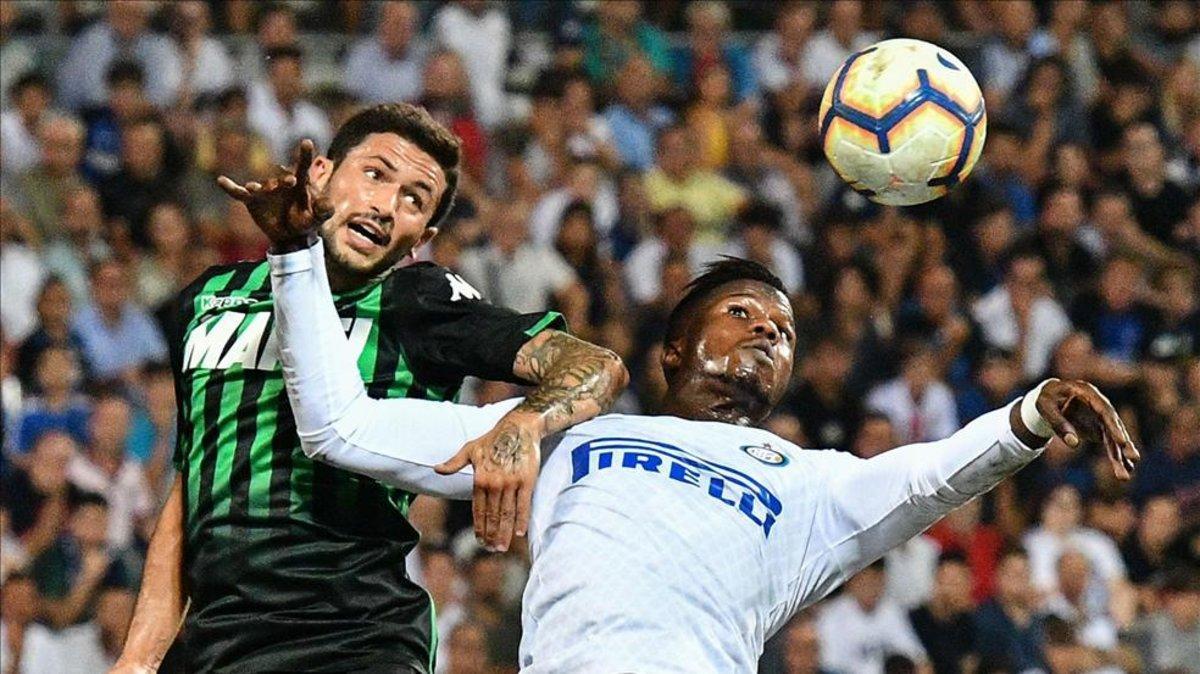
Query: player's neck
[705,399]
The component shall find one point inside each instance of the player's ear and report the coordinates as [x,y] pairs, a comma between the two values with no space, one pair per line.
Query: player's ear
[319,172]
[426,237]
[672,356]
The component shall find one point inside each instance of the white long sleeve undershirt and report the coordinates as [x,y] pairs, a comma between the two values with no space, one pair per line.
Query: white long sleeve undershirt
[397,442]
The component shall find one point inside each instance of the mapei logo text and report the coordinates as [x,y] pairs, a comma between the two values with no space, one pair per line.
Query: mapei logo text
[231,338]
[722,483]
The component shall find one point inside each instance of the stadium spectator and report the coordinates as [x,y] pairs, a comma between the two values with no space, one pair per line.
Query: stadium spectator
[635,116]
[579,245]
[1010,51]
[1076,603]
[118,335]
[1114,317]
[710,48]
[1175,468]
[124,32]
[1022,315]
[447,96]
[829,413]
[31,97]
[675,235]
[36,493]
[1145,553]
[41,191]
[842,36]
[1008,629]
[938,318]
[780,57]
[83,241]
[1062,240]
[773,178]
[390,65]
[918,402]
[584,182]
[678,179]
[802,646]
[200,61]
[144,178]
[22,638]
[760,238]
[125,101]
[1062,530]
[480,34]
[59,405]
[274,27]
[997,383]
[1170,635]
[617,35]
[467,649]
[54,330]
[861,628]
[1159,204]
[164,270]
[585,133]
[1174,332]
[105,468]
[71,575]
[279,110]
[876,435]
[946,624]
[516,273]
[963,532]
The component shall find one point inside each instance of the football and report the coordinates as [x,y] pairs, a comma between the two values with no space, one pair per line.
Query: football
[902,122]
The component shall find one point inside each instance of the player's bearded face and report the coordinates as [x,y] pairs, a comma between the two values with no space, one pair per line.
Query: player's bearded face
[746,337]
[376,203]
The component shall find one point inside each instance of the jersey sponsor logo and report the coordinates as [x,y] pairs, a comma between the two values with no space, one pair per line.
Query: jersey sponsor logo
[461,290]
[766,454]
[232,339]
[210,302]
[729,486]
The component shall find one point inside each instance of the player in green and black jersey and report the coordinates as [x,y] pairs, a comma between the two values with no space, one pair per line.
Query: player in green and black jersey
[291,565]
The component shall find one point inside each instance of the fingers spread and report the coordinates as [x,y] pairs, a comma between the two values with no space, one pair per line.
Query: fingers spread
[232,189]
[1053,415]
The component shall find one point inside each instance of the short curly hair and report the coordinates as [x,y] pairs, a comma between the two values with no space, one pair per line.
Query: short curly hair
[412,123]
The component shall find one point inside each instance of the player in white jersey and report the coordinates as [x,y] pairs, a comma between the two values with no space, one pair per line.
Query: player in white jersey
[676,543]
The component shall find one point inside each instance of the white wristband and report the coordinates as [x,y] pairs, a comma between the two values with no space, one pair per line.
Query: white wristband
[1031,417]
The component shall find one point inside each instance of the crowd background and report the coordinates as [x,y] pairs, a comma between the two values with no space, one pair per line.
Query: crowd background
[610,149]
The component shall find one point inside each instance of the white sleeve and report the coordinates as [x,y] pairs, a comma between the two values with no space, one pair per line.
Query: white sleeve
[870,506]
[395,441]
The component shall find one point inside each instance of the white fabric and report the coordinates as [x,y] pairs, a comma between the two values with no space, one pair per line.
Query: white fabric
[482,42]
[375,77]
[73,650]
[283,129]
[21,277]
[934,415]
[659,544]
[1046,547]
[643,267]
[853,640]
[22,151]
[1030,416]
[911,568]
[1048,324]
[127,493]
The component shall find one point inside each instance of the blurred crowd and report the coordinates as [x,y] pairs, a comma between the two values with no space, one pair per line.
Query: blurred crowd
[611,149]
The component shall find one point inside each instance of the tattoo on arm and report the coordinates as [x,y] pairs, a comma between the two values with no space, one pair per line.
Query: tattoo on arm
[575,380]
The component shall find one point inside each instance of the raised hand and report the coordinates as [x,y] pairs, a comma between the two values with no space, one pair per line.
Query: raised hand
[282,206]
[1079,413]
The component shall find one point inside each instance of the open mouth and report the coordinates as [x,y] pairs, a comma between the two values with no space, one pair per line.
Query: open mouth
[368,230]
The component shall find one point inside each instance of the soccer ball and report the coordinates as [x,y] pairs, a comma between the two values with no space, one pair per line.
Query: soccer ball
[902,122]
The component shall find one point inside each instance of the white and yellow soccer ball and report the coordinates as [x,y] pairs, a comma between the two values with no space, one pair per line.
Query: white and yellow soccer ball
[902,122]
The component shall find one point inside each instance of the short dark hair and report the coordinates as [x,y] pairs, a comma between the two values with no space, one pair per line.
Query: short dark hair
[125,72]
[29,80]
[715,275]
[412,123]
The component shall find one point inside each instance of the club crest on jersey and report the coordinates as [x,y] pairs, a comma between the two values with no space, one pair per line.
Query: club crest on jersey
[766,454]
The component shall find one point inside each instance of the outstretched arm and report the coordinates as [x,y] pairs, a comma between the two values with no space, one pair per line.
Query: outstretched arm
[871,506]
[397,441]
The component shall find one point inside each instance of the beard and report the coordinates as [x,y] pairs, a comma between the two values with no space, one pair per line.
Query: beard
[343,264]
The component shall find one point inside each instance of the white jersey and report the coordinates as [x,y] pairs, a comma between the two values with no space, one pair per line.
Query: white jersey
[659,544]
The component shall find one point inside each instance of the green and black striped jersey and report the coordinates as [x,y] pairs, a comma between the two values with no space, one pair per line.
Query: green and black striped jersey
[293,565]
